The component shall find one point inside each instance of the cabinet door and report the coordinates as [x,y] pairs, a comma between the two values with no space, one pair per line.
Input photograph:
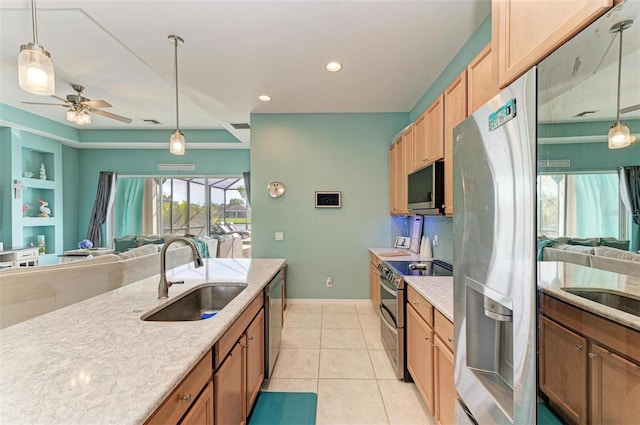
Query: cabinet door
[374,286]
[201,412]
[420,355]
[230,389]
[482,77]
[445,392]
[526,31]
[420,142]
[563,370]
[615,388]
[255,358]
[393,178]
[435,130]
[455,110]
[407,167]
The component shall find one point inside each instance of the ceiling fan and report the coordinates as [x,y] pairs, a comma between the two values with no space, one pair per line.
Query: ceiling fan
[79,106]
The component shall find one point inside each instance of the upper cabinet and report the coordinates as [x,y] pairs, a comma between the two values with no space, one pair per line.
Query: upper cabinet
[524,32]
[428,140]
[455,110]
[482,79]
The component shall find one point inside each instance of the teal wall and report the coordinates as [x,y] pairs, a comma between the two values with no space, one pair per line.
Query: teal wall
[71,178]
[5,187]
[144,162]
[310,152]
[589,156]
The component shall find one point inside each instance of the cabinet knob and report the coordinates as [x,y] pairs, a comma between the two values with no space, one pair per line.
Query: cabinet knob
[449,339]
[186,398]
[578,346]
[250,338]
[432,345]
[592,355]
[608,353]
[427,338]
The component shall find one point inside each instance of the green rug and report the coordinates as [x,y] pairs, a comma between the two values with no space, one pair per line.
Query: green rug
[274,408]
[546,416]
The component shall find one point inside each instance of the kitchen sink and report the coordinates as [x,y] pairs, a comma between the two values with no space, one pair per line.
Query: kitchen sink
[199,303]
[614,299]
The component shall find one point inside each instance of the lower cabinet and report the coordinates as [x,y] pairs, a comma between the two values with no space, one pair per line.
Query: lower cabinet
[588,365]
[254,349]
[430,356]
[230,404]
[201,413]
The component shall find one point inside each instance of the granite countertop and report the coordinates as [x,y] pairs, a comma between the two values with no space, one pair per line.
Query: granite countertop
[438,290]
[553,276]
[96,362]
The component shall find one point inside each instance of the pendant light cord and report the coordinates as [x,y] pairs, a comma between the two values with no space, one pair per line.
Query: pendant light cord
[619,75]
[175,41]
[34,20]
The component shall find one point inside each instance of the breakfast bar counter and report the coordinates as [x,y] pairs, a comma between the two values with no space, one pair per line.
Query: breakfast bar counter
[97,362]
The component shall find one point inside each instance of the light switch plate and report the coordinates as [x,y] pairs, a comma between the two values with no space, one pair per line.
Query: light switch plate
[279,236]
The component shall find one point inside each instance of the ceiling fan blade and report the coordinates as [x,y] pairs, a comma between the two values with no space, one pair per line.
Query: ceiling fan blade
[97,104]
[50,104]
[59,98]
[630,109]
[110,115]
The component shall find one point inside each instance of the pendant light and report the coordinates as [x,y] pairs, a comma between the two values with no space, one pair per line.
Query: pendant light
[619,134]
[177,142]
[35,68]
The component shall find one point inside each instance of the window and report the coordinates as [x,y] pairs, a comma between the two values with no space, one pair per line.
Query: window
[580,205]
[180,206]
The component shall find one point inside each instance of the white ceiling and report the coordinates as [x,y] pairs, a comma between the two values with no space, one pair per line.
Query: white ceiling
[392,51]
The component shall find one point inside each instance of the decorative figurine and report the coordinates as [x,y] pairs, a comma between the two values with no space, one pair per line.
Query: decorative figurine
[28,174]
[85,244]
[43,173]
[25,208]
[42,246]
[44,210]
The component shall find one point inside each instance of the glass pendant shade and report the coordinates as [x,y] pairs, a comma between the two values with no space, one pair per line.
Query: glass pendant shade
[72,115]
[619,135]
[35,70]
[177,143]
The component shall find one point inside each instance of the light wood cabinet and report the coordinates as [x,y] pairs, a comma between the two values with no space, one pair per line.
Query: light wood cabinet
[455,110]
[407,167]
[374,281]
[230,393]
[482,79]
[420,356]
[615,388]
[255,357]
[395,169]
[184,397]
[589,366]
[563,370]
[201,413]
[445,390]
[428,134]
[430,358]
[524,32]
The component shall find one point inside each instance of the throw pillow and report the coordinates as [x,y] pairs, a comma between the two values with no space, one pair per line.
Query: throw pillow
[124,243]
[146,240]
[624,245]
[582,242]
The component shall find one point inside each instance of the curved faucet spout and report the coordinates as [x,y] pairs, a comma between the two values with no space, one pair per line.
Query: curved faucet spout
[163,286]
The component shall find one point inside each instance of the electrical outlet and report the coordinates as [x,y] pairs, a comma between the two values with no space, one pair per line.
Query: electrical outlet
[329,282]
[435,240]
[279,236]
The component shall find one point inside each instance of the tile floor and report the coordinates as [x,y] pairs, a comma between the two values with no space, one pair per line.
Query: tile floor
[335,350]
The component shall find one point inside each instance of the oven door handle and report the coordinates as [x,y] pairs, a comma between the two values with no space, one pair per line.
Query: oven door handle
[393,328]
[386,288]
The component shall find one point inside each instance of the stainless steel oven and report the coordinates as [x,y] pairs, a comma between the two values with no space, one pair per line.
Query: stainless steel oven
[393,307]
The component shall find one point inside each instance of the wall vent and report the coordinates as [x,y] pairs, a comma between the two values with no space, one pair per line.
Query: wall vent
[585,113]
[240,125]
[152,121]
[554,163]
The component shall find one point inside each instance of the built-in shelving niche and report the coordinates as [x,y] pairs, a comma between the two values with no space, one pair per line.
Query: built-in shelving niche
[30,236]
[31,197]
[32,159]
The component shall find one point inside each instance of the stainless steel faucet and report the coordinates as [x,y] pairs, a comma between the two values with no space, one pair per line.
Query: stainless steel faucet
[163,287]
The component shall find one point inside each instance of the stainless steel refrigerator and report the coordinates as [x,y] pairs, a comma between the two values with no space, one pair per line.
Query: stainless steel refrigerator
[494,255]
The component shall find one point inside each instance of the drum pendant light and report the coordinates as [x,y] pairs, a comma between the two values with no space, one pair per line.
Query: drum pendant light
[177,143]
[35,68]
[619,134]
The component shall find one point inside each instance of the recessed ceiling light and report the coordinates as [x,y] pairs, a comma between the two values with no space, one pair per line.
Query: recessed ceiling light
[333,67]
[264,98]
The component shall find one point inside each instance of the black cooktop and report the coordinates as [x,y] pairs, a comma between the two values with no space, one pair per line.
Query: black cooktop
[421,268]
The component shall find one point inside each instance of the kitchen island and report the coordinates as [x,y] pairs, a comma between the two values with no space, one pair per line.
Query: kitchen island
[96,362]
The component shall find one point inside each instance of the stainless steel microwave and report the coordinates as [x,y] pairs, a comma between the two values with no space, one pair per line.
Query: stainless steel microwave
[425,190]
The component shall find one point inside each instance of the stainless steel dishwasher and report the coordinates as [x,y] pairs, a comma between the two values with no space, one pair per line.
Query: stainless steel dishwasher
[273,328]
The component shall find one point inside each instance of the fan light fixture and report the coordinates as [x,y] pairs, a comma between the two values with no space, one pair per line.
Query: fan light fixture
[79,117]
[35,68]
[619,134]
[177,142]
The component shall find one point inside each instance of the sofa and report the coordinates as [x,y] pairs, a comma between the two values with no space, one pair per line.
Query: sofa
[31,291]
[601,253]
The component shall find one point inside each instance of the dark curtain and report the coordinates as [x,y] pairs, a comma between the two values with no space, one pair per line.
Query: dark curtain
[630,183]
[247,185]
[106,184]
